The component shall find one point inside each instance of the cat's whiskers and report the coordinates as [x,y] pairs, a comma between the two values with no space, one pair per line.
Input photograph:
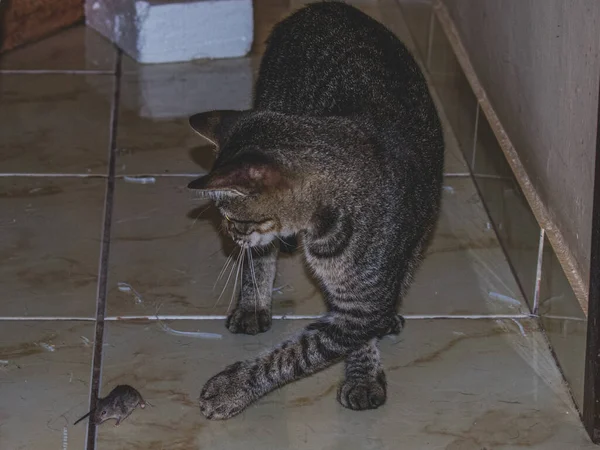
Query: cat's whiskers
[237,273]
[233,267]
[251,262]
[224,269]
[198,216]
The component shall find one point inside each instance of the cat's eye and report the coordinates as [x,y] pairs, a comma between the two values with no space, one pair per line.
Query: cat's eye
[227,217]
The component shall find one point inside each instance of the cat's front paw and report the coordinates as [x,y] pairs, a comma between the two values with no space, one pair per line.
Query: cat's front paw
[363,393]
[227,393]
[249,321]
[398,323]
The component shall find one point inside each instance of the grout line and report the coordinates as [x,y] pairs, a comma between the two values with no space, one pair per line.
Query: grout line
[491,177]
[475,133]
[538,272]
[54,175]
[47,318]
[319,316]
[161,175]
[457,175]
[100,175]
[96,373]
[54,72]
[574,319]
[275,317]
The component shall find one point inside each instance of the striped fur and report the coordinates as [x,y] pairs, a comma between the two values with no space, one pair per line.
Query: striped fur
[343,148]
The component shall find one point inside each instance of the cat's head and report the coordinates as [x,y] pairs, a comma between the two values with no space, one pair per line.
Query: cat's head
[252,187]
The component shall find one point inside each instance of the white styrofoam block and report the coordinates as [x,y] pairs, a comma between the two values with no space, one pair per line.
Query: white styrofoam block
[160,31]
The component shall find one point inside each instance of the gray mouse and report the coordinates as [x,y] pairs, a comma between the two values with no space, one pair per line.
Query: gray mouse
[119,404]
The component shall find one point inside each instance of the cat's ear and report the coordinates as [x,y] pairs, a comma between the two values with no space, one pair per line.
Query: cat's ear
[213,124]
[246,175]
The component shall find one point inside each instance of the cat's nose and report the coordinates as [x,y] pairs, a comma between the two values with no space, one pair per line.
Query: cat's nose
[242,229]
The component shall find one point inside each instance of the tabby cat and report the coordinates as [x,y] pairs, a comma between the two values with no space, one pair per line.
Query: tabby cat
[344,149]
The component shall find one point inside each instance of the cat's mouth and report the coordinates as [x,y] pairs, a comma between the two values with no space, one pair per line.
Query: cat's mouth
[253,239]
[245,234]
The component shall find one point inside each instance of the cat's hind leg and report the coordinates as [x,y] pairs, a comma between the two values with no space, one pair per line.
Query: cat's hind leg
[252,313]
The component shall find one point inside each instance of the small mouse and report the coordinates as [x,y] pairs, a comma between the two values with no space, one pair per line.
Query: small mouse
[119,404]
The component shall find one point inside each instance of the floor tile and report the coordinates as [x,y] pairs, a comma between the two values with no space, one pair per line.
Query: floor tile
[564,322]
[451,384]
[451,85]
[49,245]
[156,101]
[465,270]
[454,161]
[165,245]
[517,227]
[418,15]
[44,383]
[172,260]
[76,48]
[55,123]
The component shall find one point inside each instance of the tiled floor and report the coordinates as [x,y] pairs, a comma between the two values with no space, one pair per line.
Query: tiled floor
[471,371]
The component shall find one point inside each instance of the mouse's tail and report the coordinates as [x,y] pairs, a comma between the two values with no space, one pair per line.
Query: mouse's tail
[87,415]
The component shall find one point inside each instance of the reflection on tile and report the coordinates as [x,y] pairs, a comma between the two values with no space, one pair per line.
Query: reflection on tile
[564,322]
[418,14]
[44,379]
[165,245]
[49,245]
[454,161]
[76,48]
[517,227]
[450,83]
[156,102]
[55,123]
[499,389]
[465,270]
[266,14]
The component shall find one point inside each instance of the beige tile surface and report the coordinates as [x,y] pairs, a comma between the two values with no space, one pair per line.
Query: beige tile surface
[75,48]
[156,102]
[49,245]
[454,384]
[451,385]
[454,161]
[165,245]
[453,89]
[55,123]
[517,227]
[418,15]
[44,384]
[173,260]
[465,270]
[564,322]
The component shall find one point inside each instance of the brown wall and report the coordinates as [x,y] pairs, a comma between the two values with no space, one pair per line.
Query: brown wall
[538,61]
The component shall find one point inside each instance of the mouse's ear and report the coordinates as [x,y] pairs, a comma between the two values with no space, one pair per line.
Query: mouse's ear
[213,125]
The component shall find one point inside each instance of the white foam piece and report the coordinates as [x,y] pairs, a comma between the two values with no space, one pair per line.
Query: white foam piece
[160,31]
